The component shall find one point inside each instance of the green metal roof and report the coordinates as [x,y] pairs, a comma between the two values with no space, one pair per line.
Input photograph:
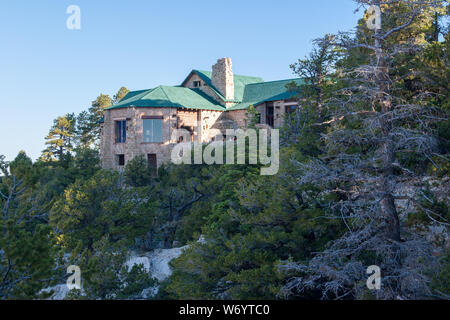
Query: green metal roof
[132,94]
[168,97]
[258,93]
[239,84]
[247,91]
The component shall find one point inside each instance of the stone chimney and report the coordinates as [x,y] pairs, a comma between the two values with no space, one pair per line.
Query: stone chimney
[222,77]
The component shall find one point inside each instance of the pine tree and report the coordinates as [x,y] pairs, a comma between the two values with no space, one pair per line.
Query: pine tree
[123,91]
[88,122]
[59,140]
[138,173]
[27,249]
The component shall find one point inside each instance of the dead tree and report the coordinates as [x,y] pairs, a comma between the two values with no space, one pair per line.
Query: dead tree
[369,125]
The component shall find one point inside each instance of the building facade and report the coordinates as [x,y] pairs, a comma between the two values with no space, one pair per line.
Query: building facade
[145,122]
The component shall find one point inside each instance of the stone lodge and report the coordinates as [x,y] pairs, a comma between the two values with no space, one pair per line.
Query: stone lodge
[144,121]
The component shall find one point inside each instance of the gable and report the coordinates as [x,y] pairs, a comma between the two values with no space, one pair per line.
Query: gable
[240,82]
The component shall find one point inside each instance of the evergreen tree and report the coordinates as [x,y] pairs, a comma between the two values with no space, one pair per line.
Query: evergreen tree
[138,173]
[105,275]
[123,91]
[316,71]
[88,122]
[97,207]
[60,138]
[27,249]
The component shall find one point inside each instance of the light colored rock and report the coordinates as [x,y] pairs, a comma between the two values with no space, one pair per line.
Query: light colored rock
[155,262]
[134,260]
[160,259]
[60,292]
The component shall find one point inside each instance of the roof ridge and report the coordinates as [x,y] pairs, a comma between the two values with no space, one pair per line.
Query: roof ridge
[134,97]
[142,90]
[259,83]
[164,91]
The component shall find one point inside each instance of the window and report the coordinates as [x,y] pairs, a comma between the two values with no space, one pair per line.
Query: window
[152,164]
[258,118]
[121,160]
[152,130]
[291,108]
[269,115]
[197,84]
[121,131]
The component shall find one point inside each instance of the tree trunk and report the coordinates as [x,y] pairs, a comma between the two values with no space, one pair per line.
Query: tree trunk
[389,213]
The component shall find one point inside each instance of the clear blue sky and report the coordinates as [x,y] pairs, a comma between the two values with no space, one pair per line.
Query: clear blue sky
[47,70]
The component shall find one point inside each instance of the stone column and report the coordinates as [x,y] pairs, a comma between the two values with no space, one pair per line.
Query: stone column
[222,77]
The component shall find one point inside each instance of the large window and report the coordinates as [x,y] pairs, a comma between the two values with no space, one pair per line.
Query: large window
[121,131]
[152,130]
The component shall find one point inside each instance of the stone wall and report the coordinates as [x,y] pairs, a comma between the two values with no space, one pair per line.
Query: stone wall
[203,124]
[239,117]
[188,120]
[207,130]
[199,122]
[134,144]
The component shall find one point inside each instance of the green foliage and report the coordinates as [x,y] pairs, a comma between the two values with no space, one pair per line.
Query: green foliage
[60,139]
[123,91]
[88,128]
[104,274]
[251,223]
[138,173]
[26,261]
[317,71]
[94,208]
[27,248]
[85,164]
[97,110]
[255,222]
